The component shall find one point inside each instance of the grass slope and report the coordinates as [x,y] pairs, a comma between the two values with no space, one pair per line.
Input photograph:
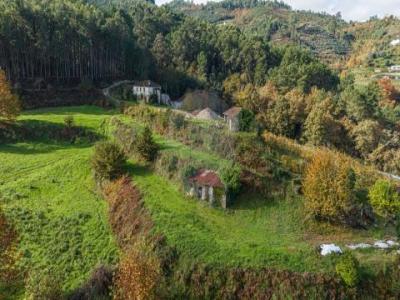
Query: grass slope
[256,232]
[47,191]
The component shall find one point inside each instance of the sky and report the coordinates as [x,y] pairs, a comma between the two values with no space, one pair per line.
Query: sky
[357,10]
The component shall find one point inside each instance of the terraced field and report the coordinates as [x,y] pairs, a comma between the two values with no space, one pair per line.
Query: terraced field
[47,190]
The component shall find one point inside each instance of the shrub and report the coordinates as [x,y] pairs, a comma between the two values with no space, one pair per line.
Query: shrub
[188,171]
[69,122]
[10,106]
[43,284]
[108,161]
[138,274]
[384,198]
[246,120]
[146,146]
[178,121]
[330,188]
[348,269]
[230,176]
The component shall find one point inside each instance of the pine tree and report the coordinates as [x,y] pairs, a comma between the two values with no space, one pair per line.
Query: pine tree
[147,147]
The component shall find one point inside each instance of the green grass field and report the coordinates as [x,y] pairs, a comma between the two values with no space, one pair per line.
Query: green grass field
[47,190]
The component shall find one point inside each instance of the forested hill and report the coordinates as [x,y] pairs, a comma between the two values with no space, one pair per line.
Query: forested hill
[323,34]
[70,40]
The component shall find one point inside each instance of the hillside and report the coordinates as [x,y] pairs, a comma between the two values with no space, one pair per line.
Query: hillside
[46,190]
[191,151]
[323,34]
[373,53]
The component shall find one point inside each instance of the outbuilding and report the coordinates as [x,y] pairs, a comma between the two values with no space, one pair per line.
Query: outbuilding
[207,186]
[231,117]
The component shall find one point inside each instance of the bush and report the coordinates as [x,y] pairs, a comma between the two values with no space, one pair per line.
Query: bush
[69,122]
[43,285]
[246,120]
[348,269]
[230,176]
[330,189]
[108,161]
[146,147]
[384,198]
[178,121]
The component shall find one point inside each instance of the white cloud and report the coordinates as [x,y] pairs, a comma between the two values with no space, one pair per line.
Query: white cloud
[359,10]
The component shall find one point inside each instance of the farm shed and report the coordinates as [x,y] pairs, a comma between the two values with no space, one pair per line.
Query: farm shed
[231,116]
[207,186]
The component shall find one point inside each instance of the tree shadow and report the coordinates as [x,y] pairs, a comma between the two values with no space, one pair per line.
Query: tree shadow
[39,148]
[38,136]
[70,110]
[135,169]
[249,200]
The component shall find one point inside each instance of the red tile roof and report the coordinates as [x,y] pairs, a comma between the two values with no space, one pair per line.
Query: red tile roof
[233,112]
[208,178]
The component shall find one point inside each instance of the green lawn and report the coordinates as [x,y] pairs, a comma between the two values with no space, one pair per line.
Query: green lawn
[48,192]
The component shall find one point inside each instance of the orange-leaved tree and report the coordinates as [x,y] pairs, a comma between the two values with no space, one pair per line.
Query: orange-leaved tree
[138,274]
[10,106]
[329,187]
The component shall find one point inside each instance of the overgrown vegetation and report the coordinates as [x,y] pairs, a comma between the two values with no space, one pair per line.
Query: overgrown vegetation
[348,269]
[108,161]
[9,103]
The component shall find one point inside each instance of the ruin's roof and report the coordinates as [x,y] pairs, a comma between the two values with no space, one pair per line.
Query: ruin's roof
[233,112]
[207,114]
[208,178]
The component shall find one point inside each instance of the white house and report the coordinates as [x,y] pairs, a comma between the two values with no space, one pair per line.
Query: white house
[145,90]
[394,68]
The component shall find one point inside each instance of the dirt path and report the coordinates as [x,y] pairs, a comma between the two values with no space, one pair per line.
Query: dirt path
[107,90]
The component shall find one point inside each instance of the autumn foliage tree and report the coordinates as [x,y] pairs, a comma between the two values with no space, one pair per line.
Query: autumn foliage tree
[330,188]
[9,103]
[389,92]
[138,274]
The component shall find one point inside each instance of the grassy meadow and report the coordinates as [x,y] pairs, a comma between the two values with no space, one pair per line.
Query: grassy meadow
[47,191]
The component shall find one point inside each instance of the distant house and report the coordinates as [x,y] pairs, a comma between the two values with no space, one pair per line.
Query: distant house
[207,186]
[145,90]
[207,114]
[395,68]
[231,117]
